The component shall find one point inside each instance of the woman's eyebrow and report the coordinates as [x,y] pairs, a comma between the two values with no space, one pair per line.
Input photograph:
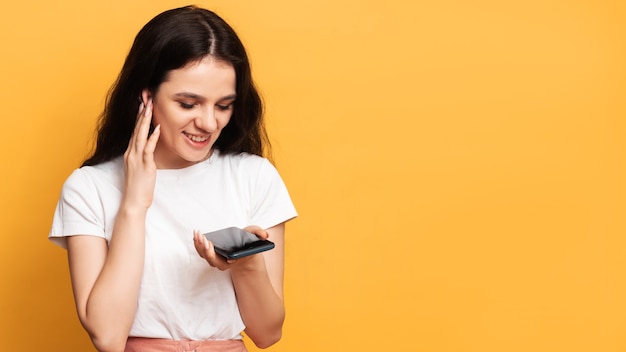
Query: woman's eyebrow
[229,97]
[201,98]
[189,95]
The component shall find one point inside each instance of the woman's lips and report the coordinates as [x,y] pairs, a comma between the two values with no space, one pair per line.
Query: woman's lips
[196,138]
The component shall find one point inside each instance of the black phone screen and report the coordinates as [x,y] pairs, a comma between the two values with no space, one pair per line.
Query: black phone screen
[234,243]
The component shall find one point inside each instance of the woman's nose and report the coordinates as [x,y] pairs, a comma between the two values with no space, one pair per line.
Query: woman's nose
[207,120]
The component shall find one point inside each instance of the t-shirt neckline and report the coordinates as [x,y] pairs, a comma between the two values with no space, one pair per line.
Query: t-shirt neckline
[189,170]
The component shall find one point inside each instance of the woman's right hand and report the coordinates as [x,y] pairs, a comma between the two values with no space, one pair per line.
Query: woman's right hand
[139,164]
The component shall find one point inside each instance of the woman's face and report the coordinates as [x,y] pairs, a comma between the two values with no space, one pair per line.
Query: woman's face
[192,106]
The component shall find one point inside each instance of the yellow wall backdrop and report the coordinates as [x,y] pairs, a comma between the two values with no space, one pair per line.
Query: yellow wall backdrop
[459,166]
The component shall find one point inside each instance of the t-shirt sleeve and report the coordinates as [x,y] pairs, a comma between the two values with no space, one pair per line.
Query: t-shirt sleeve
[78,211]
[272,204]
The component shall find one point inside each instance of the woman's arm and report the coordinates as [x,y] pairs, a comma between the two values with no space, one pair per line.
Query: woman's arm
[259,288]
[258,282]
[106,279]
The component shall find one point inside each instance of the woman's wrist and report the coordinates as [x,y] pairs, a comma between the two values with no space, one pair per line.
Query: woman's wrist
[249,266]
[131,209]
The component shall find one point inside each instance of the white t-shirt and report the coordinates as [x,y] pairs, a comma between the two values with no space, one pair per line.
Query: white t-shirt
[181,296]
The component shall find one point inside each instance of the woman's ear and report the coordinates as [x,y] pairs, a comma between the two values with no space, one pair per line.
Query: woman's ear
[145,96]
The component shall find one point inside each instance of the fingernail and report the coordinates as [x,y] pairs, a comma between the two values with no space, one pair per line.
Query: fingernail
[146,107]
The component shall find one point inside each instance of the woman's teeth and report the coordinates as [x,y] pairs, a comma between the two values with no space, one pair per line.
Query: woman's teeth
[197,138]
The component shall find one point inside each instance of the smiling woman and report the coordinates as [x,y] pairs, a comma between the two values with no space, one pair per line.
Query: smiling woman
[179,152]
[192,107]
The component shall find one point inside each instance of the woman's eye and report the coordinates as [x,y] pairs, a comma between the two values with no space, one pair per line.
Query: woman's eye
[224,107]
[186,105]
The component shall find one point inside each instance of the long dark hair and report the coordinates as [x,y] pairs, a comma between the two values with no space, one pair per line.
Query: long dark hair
[169,41]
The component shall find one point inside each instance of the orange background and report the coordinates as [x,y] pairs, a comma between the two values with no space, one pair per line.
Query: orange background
[459,166]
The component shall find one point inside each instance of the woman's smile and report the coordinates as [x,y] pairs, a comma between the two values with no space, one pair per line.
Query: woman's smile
[197,138]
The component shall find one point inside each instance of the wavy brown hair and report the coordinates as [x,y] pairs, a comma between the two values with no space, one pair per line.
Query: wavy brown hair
[170,41]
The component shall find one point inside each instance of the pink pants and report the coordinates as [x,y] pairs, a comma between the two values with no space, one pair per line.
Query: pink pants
[140,344]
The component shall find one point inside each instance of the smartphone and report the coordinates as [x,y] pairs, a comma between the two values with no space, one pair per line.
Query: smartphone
[235,243]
